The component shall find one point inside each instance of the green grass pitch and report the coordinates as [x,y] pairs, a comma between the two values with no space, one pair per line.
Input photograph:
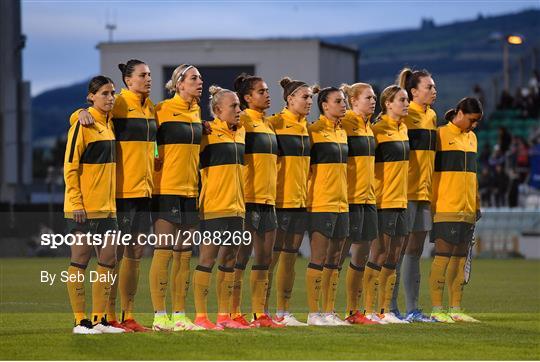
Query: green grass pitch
[35,324]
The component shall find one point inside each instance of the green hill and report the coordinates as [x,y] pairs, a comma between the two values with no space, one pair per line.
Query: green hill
[458,55]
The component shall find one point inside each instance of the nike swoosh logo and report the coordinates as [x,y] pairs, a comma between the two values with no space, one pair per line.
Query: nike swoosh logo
[131,109]
[451,143]
[355,129]
[288,126]
[100,131]
[176,114]
[220,135]
[389,134]
[255,125]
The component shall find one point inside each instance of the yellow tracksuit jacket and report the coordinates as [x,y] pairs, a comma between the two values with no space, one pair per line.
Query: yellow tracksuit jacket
[293,159]
[222,172]
[361,159]
[90,168]
[327,185]
[455,185]
[179,135]
[391,163]
[135,131]
[260,159]
[422,132]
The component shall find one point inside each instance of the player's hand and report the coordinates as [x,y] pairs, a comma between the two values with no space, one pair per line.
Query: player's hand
[206,129]
[85,118]
[158,163]
[79,216]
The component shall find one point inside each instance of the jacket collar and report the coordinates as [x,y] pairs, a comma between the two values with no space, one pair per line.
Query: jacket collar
[290,117]
[254,115]
[361,121]
[390,121]
[98,116]
[455,129]
[183,104]
[329,124]
[418,108]
[134,97]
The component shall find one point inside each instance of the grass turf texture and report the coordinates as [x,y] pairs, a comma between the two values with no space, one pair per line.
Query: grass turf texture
[36,322]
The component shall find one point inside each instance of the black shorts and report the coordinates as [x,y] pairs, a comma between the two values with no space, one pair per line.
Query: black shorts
[134,215]
[223,224]
[294,221]
[92,226]
[363,223]
[175,209]
[452,232]
[261,217]
[333,225]
[393,222]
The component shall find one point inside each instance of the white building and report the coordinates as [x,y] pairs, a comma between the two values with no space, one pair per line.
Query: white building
[221,60]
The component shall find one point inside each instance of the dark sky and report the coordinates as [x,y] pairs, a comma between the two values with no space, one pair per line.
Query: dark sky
[62,35]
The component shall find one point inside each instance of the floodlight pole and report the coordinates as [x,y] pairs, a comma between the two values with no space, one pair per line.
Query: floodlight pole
[506,67]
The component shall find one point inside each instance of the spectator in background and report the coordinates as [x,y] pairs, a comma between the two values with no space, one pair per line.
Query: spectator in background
[534,179]
[534,81]
[513,189]
[522,159]
[500,190]
[496,159]
[478,93]
[506,101]
[504,139]
[484,155]
[485,187]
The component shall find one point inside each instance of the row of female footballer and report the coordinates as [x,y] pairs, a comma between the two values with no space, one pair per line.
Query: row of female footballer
[371,188]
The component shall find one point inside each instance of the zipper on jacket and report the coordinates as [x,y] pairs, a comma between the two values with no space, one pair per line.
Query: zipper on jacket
[465,176]
[148,140]
[270,140]
[236,165]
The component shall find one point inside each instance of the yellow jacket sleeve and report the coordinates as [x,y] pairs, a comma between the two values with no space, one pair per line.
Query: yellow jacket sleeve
[74,149]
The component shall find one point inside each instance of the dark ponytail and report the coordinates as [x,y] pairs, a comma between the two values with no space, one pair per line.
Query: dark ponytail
[408,79]
[243,85]
[467,105]
[323,96]
[128,68]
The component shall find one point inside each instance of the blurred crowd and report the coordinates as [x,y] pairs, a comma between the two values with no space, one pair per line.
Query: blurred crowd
[525,99]
[511,167]
[506,169]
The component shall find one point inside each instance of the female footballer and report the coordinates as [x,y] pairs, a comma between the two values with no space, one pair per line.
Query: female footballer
[290,126]
[135,132]
[260,195]
[89,205]
[391,168]
[455,213]
[327,206]
[222,207]
[174,199]
[361,192]
[421,123]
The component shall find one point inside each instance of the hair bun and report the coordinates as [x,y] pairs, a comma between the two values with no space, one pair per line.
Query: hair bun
[214,89]
[285,81]
[239,81]
[315,88]
[122,67]
[345,88]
